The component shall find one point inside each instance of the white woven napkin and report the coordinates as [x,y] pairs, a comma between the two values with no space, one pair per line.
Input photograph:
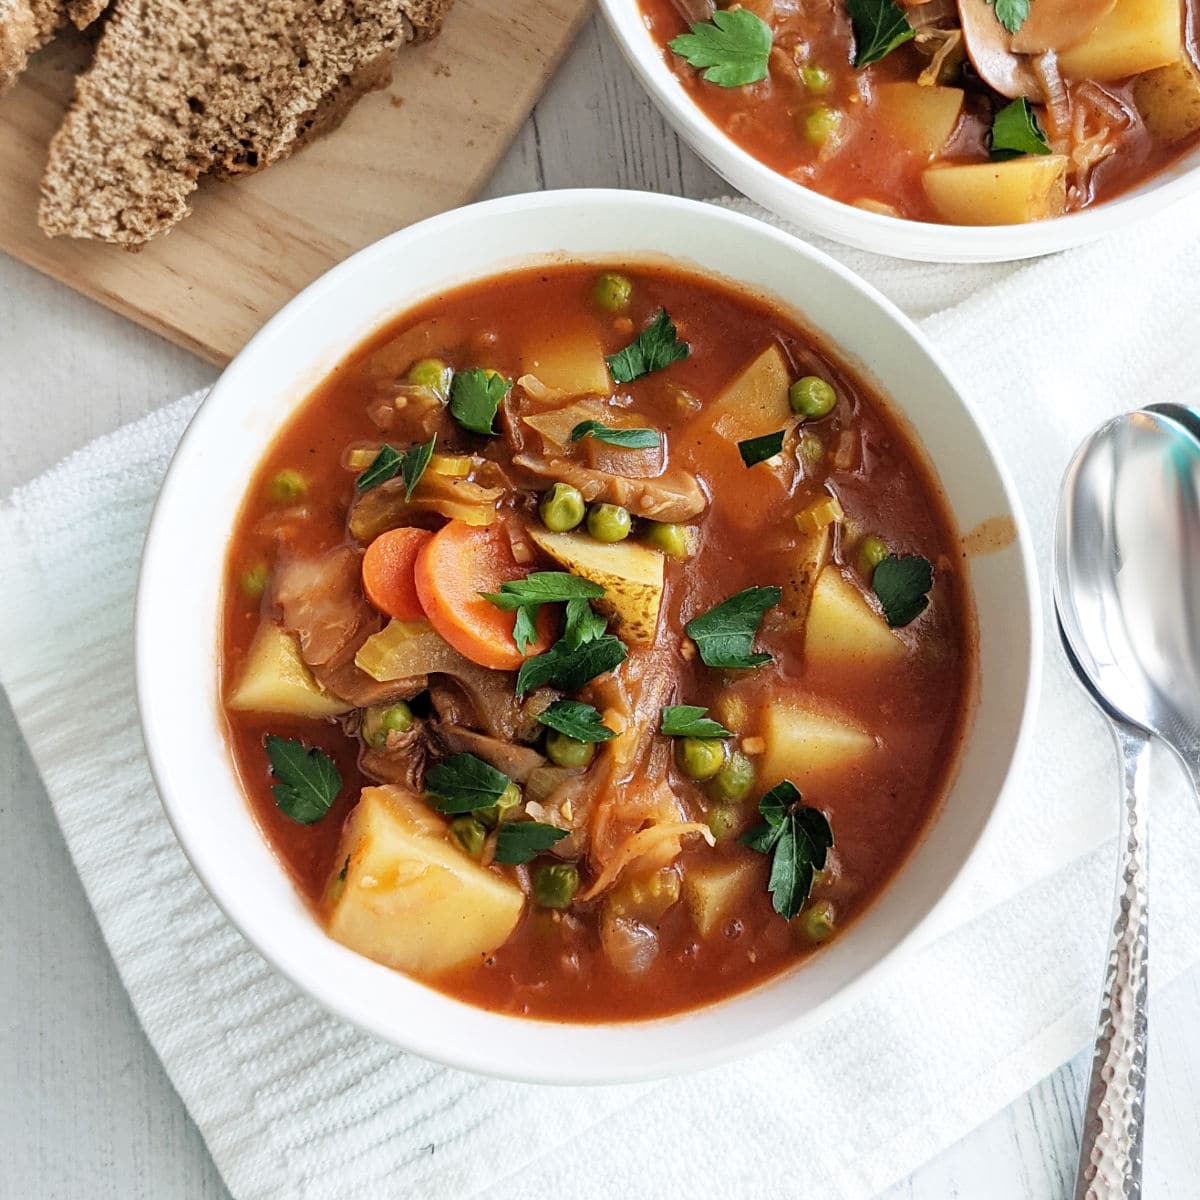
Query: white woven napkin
[292,1103]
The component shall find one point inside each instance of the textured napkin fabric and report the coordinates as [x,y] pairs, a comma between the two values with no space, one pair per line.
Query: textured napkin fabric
[293,1103]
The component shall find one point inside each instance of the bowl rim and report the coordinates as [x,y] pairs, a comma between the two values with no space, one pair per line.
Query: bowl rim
[895,237]
[237,902]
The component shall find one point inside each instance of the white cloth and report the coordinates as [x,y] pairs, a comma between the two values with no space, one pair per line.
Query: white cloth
[292,1103]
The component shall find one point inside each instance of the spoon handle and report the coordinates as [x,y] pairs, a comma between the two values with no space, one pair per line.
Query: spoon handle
[1110,1156]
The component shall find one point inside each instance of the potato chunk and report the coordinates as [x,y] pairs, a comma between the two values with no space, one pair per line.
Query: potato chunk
[998,193]
[631,575]
[570,359]
[711,890]
[410,898]
[276,679]
[842,628]
[1169,100]
[809,746]
[1136,36]
[805,566]
[923,118]
[755,402]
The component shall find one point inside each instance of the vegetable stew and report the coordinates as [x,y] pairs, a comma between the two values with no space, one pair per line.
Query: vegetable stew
[966,112]
[596,645]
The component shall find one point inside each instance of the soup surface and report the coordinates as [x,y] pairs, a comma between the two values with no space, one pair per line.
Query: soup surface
[745,654]
[934,110]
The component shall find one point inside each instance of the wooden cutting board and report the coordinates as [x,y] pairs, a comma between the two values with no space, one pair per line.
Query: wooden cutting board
[426,144]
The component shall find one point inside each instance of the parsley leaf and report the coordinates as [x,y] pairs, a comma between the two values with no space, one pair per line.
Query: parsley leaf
[519,841]
[543,587]
[725,634]
[525,627]
[569,669]
[308,780]
[583,625]
[475,396]
[656,347]
[879,27]
[631,439]
[1015,131]
[901,585]
[577,720]
[798,838]
[688,720]
[464,783]
[410,465]
[382,467]
[759,449]
[733,47]
[1012,14]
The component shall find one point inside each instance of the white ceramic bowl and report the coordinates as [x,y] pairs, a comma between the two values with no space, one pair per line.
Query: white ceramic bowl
[866,230]
[177,626]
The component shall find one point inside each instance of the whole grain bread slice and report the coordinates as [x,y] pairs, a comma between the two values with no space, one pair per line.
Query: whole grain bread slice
[27,25]
[181,89]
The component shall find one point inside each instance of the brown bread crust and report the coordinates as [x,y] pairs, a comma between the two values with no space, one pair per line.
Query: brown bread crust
[27,25]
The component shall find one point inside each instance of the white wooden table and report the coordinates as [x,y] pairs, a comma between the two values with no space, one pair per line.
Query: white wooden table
[85,1108]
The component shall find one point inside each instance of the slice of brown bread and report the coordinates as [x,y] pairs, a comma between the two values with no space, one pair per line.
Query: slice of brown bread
[27,25]
[181,89]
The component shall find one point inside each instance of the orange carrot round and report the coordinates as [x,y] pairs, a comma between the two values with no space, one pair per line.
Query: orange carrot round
[453,567]
[387,572]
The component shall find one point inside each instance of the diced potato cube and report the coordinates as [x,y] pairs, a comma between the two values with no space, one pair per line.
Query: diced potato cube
[819,514]
[1169,100]
[570,360]
[808,746]
[804,568]
[410,898]
[630,573]
[1015,192]
[843,628]
[924,118]
[276,679]
[755,403]
[711,890]
[1136,36]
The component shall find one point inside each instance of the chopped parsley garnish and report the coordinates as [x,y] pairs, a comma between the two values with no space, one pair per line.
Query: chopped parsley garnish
[383,467]
[725,634]
[475,396]
[689,720]
[879,27]
[577,720]
[526,596]
[570,668]
[308,780]
[630,439]
[656,347]
[798,838]
[1012,14]
[387,463]
[902,585]
[732,49]
[1015,131]
[584,624]
[520,841]
[759,449]
[464,783]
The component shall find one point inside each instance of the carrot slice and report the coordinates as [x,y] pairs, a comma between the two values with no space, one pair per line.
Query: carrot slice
[453,567]
[387,572]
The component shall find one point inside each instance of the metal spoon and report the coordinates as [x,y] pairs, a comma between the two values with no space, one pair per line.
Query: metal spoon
[1127,594]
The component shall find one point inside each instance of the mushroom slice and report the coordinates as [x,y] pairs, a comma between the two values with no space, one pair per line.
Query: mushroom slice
[989,47]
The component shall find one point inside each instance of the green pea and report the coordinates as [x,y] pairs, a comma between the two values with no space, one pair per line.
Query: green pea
[612,292]
[380,720]
[818,922]
[555,884]
[509,799]
[469,834]
[723,820]
[872,552]
[812,397]
[735,778]
[562,508]
[609,522]
[700,758]
[288,487]
[815,78]
[564,751]
[673,540]
[254,581]
[820,124]
[430,373]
